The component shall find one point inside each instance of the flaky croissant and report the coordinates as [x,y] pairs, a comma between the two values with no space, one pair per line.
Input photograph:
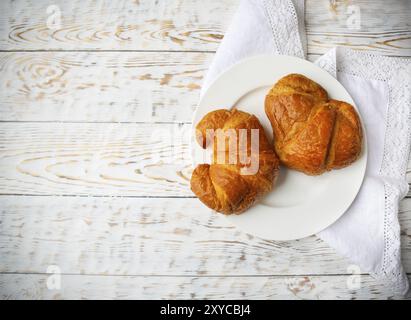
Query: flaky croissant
[312,134]
[223,186]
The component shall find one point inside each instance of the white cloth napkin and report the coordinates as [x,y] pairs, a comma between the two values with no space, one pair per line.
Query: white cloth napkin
[369,232]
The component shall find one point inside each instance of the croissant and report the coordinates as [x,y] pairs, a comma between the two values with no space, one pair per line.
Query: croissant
[223,185]
[312,134]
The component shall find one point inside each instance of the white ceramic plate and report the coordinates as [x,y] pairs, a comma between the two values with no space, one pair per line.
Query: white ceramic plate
[299,205]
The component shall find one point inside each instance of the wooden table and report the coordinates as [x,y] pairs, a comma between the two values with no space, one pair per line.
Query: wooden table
[95,169]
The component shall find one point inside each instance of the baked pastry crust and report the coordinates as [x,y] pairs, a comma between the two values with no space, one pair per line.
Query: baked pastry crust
[220,185]
[312,134]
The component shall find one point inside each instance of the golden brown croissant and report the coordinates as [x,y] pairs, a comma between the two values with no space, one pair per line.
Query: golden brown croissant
[223,186]
[312,134]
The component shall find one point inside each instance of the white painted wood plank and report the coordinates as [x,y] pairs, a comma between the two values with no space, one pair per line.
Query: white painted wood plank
[104,159]
[145,237]
[100,86]
[116,25]
[192,25]
[129,236]
[384,26]
[95,159]
[34,286]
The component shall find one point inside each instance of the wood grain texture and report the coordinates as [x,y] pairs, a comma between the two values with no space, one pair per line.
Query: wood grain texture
[95,159]
[100,86]
[144,25]
[384,25]
[24,286]
[128,236]
[116,25]
[100,159]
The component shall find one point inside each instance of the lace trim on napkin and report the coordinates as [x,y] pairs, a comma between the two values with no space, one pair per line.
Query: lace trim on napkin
[284,25]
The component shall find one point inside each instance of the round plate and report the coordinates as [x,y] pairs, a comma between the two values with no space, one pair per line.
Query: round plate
[299,205]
